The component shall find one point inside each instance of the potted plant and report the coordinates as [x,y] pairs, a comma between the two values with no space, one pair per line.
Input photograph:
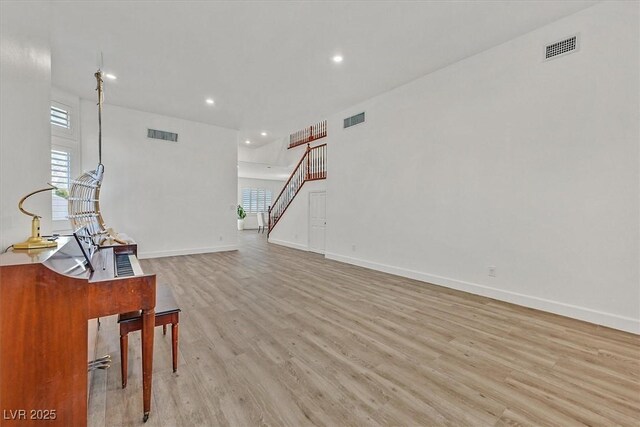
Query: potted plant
[241,216]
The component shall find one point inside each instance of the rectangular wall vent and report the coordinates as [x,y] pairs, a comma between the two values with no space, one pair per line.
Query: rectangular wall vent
[562,47]
[354,120]
[161,134]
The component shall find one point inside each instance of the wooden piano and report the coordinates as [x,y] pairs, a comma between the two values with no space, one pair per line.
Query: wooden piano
[47,298]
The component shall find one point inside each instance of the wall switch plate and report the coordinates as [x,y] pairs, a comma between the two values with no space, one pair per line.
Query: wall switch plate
[492,271]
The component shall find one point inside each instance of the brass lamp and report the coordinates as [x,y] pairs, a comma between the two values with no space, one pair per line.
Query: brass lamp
[35,241]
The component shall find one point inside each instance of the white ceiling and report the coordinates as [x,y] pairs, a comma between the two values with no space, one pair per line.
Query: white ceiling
[268,64]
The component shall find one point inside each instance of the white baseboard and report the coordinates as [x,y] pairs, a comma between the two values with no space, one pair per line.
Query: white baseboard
[191,251]
[610,320]
[288,244]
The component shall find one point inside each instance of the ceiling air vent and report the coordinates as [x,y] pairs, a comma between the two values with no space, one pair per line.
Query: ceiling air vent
[563,47]
[161,134]
[354,120]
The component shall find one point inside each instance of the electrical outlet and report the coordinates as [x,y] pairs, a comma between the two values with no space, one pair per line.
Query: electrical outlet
[221,238]
[492,271]
[295,236]
[353,248]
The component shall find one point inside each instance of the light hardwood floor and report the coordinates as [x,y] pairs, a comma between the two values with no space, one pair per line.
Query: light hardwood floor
[275,336]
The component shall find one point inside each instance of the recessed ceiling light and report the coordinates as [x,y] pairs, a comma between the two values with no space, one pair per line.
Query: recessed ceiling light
[209,101]
[247,142]
[110,76]
[338,59]
[263,133]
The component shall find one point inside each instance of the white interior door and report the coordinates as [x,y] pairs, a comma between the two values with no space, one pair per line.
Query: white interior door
[317,220]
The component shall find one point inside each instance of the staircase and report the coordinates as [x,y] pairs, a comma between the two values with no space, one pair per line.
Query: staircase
[311,167]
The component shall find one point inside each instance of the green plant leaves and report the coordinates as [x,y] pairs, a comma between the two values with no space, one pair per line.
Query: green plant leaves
[241,213]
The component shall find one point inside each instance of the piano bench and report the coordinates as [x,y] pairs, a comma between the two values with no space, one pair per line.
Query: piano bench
[167,312]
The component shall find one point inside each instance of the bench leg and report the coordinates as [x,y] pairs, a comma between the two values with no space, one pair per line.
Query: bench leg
[124,356]
[174,344]
[164,329]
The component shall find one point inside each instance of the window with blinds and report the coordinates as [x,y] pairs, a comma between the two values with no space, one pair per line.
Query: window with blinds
[256,200]
[60,117]
[61,178]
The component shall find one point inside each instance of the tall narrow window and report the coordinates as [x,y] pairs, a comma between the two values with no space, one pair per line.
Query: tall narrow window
[61,178]
[60,117]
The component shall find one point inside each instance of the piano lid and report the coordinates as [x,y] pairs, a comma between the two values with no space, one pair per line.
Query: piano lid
[32,256]
[66,258]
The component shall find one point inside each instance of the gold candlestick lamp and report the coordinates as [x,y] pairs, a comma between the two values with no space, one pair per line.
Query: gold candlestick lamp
[35,241]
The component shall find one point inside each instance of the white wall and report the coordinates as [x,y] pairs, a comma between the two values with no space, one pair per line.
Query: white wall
[293,228]
[25,134]
[172,198]
[251,221]
[508,161]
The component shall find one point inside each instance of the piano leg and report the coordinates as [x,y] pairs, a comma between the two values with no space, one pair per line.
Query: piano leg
[148,324]
[124,358]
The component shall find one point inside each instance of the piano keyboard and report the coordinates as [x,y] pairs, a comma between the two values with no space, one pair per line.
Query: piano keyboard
[127,265]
